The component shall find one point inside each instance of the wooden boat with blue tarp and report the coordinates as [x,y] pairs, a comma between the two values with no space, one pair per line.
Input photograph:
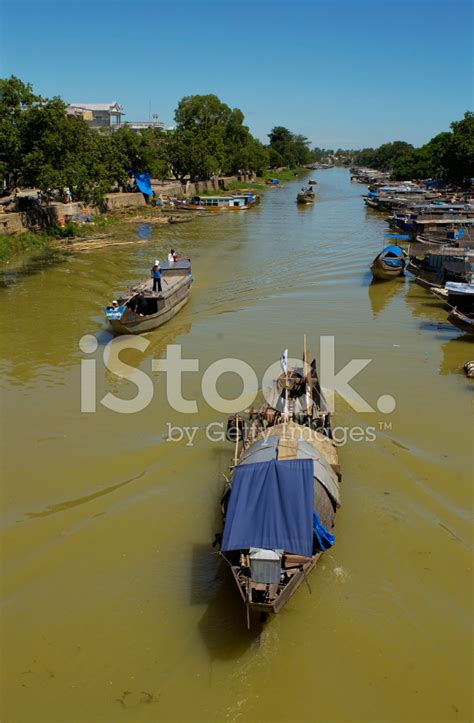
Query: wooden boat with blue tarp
[389,263]
[280,503]
[142,309]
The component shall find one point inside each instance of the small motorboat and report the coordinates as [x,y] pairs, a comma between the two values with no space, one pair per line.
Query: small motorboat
[312,182]
[389,263]
[307,196]
[143,309]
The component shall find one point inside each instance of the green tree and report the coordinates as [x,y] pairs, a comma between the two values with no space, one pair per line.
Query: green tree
[281,143]
[15,98]
[140,152]
[209,138]
[288,149]
[459,160]
[60,150]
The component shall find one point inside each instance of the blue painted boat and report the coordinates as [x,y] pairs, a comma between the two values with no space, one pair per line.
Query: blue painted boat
[389,263]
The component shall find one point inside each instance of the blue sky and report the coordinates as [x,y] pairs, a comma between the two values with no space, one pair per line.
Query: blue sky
[348,73]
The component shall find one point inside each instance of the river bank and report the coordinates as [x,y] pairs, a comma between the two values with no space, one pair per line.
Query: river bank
[124,208]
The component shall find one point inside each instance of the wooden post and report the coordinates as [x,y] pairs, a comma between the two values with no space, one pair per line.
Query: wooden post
[307,372]
[236,451]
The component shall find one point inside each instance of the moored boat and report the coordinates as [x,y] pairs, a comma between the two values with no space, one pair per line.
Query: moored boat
[239,202]
[280,503]
[389,263]
[432,268]
[142,309]
[463,321]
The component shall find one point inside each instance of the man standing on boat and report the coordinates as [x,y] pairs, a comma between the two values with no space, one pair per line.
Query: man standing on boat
[156,276]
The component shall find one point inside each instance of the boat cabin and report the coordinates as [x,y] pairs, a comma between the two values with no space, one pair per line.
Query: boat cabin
[218,202]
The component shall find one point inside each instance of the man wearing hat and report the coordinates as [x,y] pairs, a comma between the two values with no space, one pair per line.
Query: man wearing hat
[156,276]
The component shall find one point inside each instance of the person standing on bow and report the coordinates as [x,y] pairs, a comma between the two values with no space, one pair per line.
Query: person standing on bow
[156,276]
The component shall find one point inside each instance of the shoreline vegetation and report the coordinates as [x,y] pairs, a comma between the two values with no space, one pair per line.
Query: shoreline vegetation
[44,147]
[81,237]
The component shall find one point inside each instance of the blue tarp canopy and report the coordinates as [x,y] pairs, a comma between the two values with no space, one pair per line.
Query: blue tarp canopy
[389,253]
[392,249]
[271,506]
[143,183]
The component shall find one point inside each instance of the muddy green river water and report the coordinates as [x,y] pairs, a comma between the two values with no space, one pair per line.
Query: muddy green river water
[114,605]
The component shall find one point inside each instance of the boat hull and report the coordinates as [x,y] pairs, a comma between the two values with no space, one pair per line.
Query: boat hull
[461,321]
[153,310]
[389,264]
[384,273]
[148,323]
[304,199]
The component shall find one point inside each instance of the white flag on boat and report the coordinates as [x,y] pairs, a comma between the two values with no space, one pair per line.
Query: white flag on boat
[284,361]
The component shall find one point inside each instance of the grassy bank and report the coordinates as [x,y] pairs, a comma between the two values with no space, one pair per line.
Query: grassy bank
[234,186]
[287,174]
[26,242]
[40,241]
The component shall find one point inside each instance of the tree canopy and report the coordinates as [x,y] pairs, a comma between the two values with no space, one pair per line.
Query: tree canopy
[42,146]
[288,149]
[449,155]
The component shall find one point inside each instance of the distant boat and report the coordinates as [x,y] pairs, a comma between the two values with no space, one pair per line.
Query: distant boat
[239,202]
[389,263]
[142,309]
[305,197]
[312,182]
[463,321]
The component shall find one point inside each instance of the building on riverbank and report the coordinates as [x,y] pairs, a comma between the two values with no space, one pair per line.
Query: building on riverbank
[109,116]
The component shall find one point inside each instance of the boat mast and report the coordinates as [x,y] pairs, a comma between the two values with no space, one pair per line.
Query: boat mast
[307,378]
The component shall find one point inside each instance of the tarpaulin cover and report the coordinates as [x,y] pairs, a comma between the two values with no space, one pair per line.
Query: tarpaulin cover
[388,256]
[271,506]
[143,183]
[395,250]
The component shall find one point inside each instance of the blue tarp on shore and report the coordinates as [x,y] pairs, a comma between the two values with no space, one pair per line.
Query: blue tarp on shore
[143,183]
[271,506]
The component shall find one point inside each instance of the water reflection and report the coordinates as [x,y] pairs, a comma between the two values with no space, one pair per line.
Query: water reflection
[382,292]
[423,304]
[144,231]
[23,266]
[223,626]
[455,353]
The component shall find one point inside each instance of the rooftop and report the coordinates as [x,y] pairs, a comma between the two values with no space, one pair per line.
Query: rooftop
[99,106]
